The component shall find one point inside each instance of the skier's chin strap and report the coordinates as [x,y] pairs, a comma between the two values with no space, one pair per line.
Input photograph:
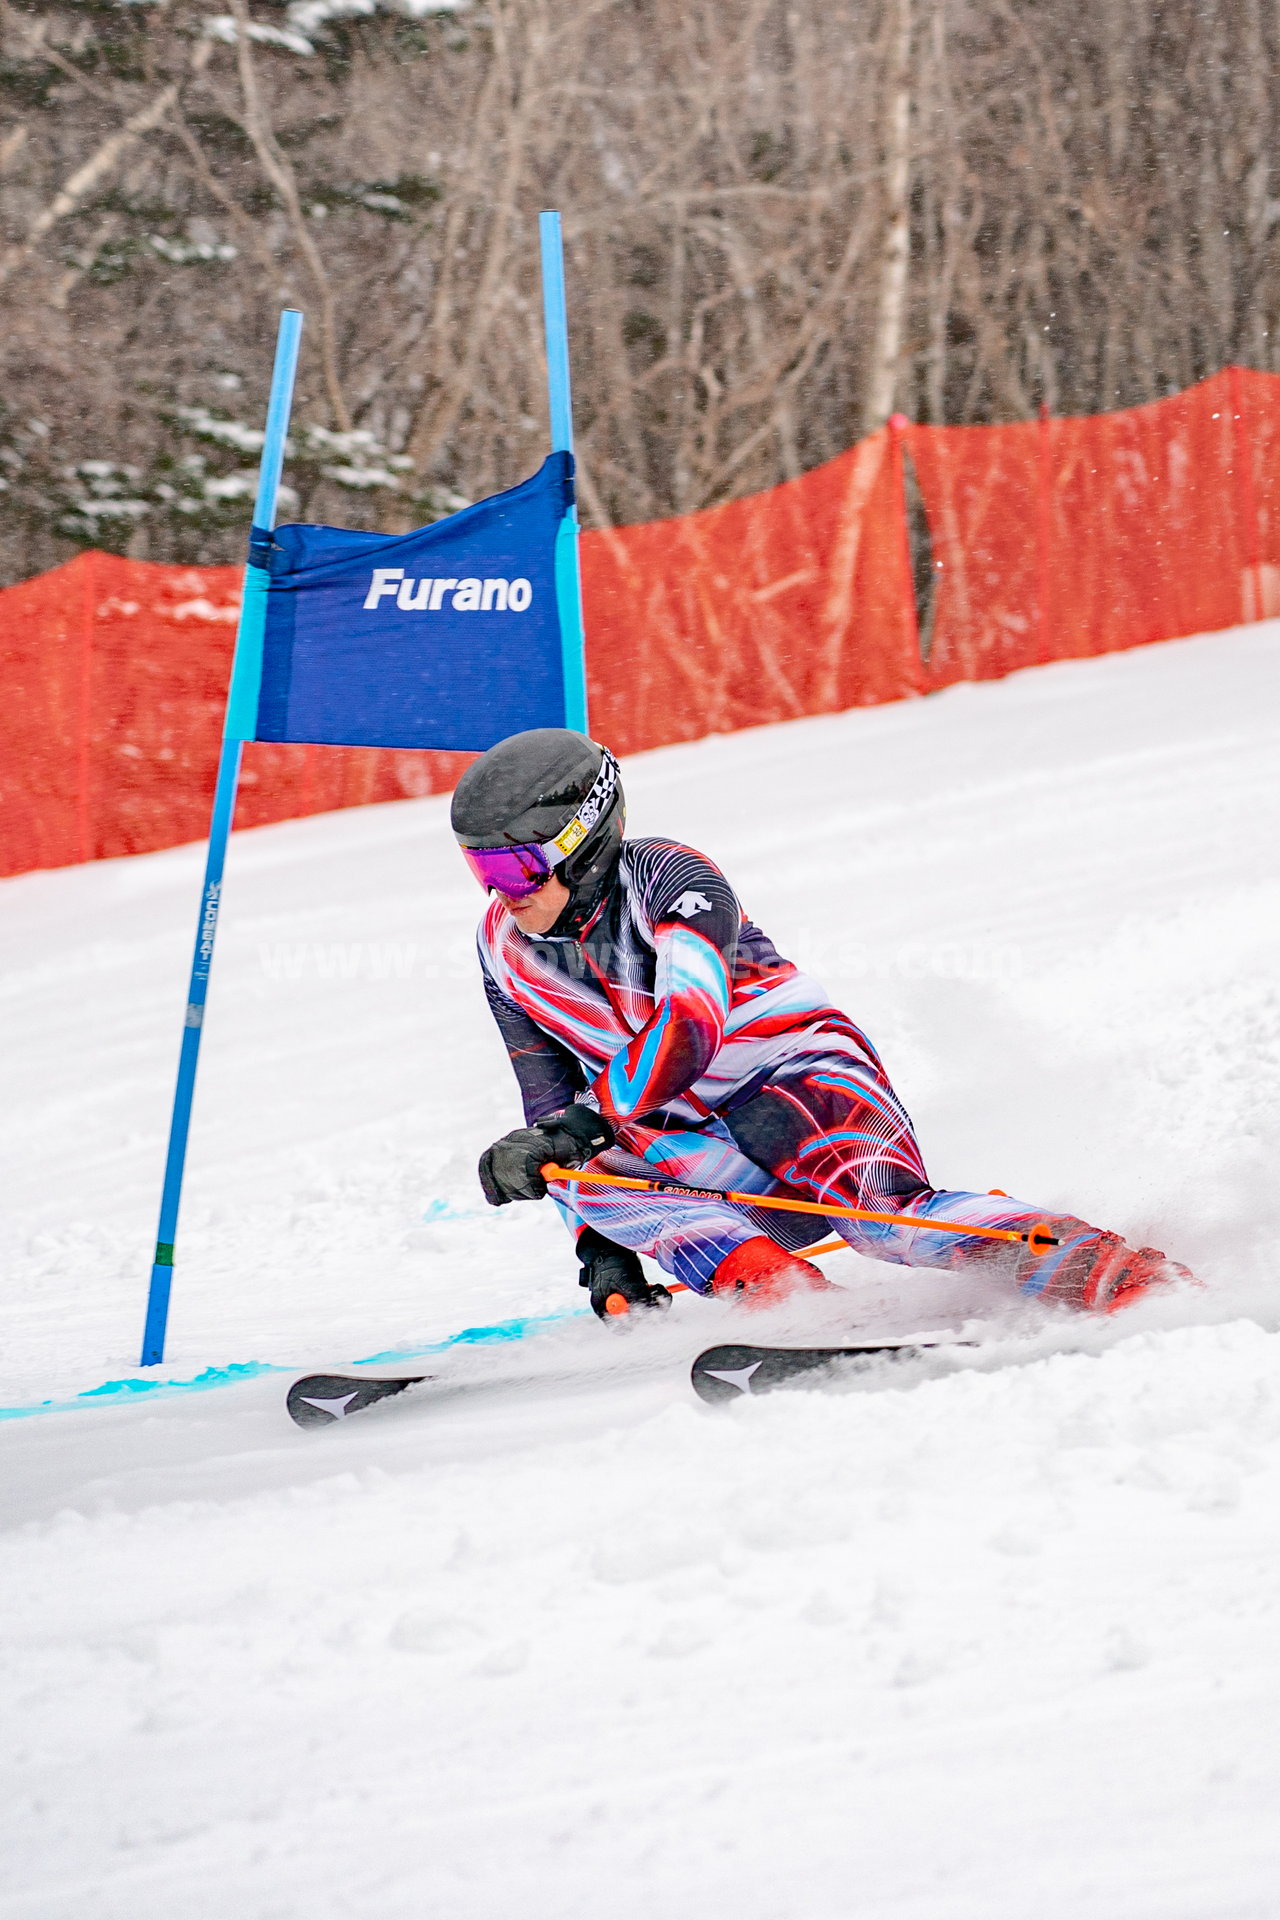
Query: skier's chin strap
[583,905]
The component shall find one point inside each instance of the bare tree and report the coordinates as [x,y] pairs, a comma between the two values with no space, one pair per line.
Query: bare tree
[886,349]
[781,223]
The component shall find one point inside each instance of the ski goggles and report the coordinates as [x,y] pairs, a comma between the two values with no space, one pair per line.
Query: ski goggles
[517,872]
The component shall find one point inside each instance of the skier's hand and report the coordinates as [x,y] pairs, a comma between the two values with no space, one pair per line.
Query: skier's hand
[576,1135]
[617,1293]
[615,1279]
[511,1168]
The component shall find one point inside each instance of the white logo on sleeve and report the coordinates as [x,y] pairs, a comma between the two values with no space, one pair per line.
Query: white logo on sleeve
[690,903]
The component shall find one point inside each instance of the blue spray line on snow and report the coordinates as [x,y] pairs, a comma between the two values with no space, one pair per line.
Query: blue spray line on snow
[124,1392]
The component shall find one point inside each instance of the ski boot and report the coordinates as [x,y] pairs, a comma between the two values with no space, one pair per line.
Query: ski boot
[760,1273]
[1104,1273]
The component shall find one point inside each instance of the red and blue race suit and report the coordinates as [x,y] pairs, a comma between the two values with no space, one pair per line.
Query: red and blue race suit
[720,1064]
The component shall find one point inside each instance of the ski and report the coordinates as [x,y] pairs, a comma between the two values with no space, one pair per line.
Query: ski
[319,1399]
[719,1374]
[726,1373]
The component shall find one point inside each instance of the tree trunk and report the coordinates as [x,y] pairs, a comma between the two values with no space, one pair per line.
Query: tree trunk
[886,350]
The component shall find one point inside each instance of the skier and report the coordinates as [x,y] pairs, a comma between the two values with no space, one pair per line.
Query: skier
[655,1031]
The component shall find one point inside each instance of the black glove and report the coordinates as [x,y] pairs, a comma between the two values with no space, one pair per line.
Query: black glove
[615,1278]
[509,1169]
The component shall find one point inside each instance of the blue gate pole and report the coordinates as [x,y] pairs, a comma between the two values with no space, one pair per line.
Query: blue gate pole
[568,577]
[247,667]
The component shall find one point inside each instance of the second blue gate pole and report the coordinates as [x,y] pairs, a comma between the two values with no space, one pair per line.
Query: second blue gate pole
[568,576]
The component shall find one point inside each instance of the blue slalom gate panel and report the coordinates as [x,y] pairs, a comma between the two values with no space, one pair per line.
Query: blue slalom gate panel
[447,637]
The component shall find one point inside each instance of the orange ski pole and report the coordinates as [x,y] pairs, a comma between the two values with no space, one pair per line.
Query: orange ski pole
[1037,1237]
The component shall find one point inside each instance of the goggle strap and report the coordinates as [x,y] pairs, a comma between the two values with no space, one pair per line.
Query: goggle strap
[575,832]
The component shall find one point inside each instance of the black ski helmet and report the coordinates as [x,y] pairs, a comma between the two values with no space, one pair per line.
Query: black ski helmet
[538,787]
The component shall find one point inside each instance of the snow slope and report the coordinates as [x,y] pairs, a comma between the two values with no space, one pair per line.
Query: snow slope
[993,1638]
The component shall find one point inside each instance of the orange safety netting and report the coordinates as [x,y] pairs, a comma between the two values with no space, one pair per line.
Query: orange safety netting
[789,602]
[113,680]
[1064,538]
[920,557]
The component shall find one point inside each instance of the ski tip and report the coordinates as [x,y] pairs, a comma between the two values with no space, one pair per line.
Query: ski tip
[318,1399]
[722,1374]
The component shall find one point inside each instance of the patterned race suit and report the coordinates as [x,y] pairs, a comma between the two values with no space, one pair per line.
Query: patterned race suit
[722,1065]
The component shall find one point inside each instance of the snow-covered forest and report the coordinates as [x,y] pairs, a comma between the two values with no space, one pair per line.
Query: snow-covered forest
[781,222]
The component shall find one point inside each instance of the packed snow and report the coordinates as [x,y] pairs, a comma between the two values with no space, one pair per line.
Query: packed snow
[992,1635]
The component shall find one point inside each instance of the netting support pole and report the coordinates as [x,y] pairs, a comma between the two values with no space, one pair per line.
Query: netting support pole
[1044,510]
[224,806]
[568,573]
[1252,598]
[896,426]
[84,707]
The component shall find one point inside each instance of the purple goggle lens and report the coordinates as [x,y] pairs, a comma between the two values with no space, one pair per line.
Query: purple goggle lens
[514,872]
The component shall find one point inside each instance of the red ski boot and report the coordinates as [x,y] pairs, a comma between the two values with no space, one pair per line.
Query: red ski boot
[760,1273]
[1105,1274]
[1137,1273]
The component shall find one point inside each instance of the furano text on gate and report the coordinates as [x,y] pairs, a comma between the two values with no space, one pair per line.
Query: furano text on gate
[464,596]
